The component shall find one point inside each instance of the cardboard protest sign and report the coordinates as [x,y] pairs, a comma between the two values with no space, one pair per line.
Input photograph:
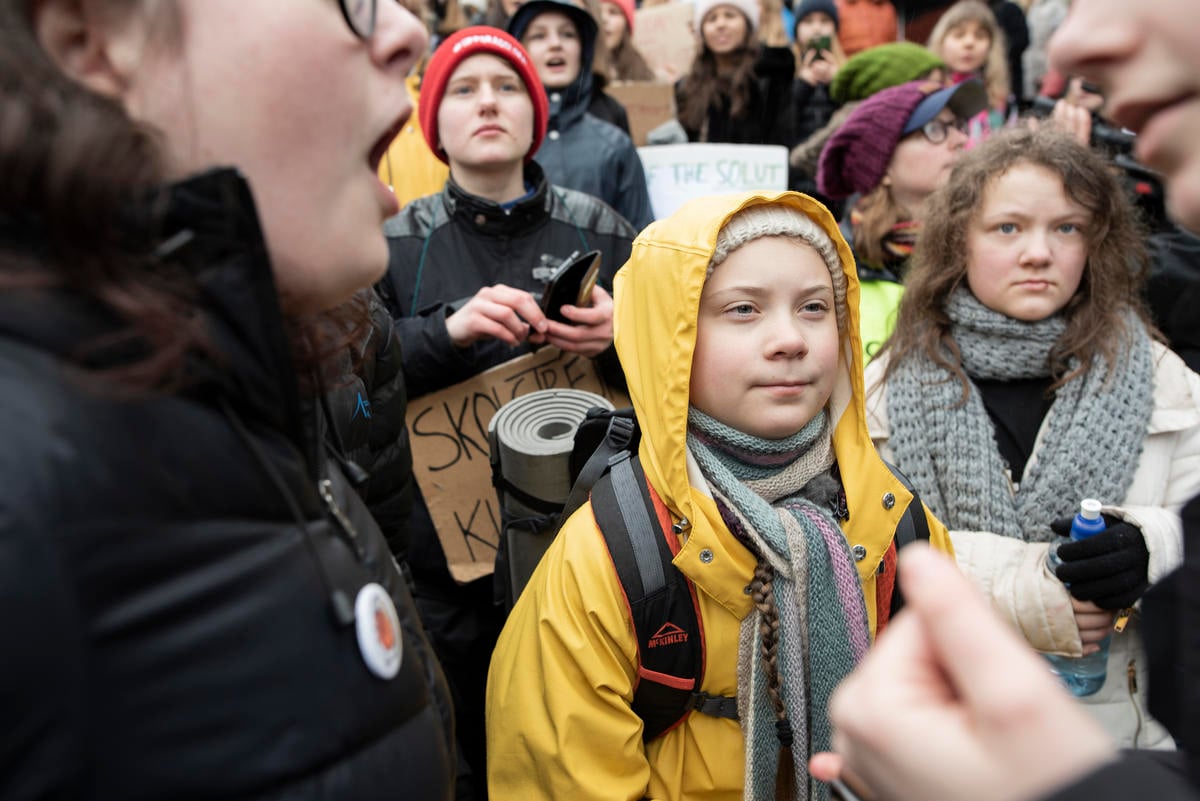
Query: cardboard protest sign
[448,432]
[663,35]
[648,104]
[677,173]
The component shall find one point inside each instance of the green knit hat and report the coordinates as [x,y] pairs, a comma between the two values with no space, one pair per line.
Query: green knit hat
[882,67]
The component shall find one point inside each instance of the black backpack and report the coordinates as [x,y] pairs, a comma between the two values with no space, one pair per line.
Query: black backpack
[661,600]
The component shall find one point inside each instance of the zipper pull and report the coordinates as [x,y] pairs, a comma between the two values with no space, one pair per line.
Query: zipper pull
[1122,619]
[325,488]
[1131,673]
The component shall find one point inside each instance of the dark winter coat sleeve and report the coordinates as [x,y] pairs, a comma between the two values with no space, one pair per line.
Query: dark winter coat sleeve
[634,195]
[775,69]
[1138,774]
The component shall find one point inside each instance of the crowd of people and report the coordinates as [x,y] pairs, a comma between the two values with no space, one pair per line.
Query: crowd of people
[868,405]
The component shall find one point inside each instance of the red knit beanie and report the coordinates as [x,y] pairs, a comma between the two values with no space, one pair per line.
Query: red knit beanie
[461,46]
[628,9]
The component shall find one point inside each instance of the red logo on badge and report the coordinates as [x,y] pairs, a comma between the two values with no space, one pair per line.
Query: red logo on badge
[383,628]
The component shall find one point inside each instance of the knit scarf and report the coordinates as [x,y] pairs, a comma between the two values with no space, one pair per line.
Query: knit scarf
[899,241]
[1089,443]
[822,618]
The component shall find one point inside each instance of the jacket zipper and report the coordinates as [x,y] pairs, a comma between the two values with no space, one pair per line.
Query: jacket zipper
[325,488]
[1132,685]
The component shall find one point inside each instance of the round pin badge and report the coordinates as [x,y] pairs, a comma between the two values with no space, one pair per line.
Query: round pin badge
[378,628]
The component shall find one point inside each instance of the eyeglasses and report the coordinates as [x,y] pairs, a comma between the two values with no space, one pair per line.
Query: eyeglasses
[936,130]
[360,16]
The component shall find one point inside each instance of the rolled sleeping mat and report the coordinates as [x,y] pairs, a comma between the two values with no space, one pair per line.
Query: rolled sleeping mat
[531,438]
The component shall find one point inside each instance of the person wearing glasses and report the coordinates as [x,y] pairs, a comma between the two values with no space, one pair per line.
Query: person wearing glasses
[195,602]
[890,154]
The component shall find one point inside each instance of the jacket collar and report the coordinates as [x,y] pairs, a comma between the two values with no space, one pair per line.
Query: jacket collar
[569,104]
[208,227]
[489,218]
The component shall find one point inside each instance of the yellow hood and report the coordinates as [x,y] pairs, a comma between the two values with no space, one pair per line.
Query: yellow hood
[657,299]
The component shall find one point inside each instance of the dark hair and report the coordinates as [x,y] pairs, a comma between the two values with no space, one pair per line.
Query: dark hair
[627,63]
[705,86]
[1112,277]
[73,166]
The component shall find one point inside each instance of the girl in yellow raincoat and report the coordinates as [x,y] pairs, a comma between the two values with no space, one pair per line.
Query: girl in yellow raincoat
[736,324]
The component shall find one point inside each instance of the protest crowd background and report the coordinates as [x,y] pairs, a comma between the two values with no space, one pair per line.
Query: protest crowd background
[932,141]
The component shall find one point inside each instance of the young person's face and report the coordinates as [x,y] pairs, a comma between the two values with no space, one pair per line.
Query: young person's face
[485,120]
[815,24]
[302,106]
[553,44]
[724,30]
[766,339]
[965,47]
[919,166]
[612,25]
[1027,245]
[1144,56]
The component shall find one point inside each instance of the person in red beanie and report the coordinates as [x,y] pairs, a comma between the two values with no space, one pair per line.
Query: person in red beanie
[466,269]
[893,150]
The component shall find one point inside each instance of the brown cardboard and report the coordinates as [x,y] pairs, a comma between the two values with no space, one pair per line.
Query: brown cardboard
[648,104]
[663,35]
[448,431]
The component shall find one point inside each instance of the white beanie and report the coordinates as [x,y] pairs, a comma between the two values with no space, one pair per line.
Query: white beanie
[780,220]
[749,8]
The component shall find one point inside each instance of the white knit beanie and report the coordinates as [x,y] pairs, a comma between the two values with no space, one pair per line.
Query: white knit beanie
[780,220]
[749,8]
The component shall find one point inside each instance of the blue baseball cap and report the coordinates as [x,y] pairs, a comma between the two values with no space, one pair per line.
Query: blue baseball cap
[965,99]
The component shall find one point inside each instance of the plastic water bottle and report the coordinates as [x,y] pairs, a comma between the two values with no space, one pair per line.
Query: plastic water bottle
[1084,675]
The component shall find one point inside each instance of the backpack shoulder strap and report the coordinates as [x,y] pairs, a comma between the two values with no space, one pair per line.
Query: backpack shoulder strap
[617,440]
[912,527]
[660,599]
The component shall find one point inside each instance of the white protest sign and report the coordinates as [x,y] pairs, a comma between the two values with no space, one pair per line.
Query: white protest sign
[678,173]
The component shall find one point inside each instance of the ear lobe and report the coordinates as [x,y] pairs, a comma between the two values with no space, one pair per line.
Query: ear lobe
[80,38]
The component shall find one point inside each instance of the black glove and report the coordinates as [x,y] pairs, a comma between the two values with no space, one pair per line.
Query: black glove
[1109,569]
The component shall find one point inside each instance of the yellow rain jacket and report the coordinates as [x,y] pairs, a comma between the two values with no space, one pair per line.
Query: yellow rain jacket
[409,166]
[563,674]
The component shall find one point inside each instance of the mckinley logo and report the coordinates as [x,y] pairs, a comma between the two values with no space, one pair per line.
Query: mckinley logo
[669,634]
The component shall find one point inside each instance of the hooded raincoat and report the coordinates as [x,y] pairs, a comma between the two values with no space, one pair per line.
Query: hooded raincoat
[563,675]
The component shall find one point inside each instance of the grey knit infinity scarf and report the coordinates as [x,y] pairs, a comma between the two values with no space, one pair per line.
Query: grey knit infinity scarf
[821,615]
[1089,443]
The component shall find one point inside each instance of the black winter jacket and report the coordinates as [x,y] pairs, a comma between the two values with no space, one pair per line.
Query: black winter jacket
[176,597]
[768,117]
[812,107]
[370,436]
[444,249]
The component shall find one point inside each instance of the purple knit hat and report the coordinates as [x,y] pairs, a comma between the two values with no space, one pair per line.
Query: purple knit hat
[856,157]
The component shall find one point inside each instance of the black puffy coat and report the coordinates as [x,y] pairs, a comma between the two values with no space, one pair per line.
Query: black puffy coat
[370,436]
[174,592]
